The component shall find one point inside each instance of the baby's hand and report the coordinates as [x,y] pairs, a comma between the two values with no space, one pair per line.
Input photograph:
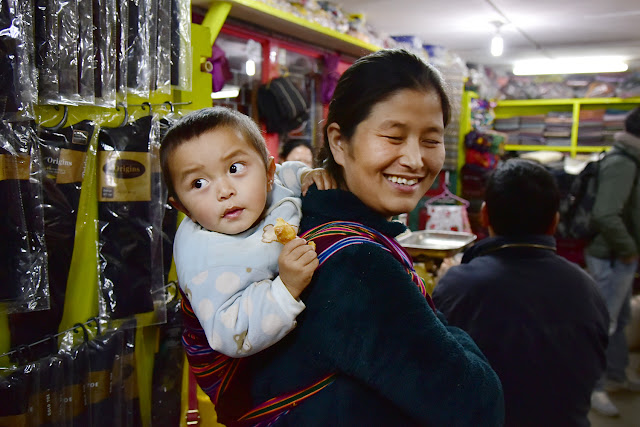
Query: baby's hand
[320,177]
[297,263]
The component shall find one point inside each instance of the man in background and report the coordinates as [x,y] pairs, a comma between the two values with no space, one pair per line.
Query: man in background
[612,256]
[538,318]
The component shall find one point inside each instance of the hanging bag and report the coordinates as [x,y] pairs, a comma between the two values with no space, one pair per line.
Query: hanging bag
[281,105]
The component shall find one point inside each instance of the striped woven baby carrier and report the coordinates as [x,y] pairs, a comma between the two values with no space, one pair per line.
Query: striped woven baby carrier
[223,378]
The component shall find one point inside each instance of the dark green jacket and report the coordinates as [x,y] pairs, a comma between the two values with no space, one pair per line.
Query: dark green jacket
[397,362]
[616,213]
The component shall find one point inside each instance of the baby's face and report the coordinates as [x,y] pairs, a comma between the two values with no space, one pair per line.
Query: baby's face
[221,180]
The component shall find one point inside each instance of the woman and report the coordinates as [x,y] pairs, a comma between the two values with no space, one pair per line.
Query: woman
[369,349]
[297,150]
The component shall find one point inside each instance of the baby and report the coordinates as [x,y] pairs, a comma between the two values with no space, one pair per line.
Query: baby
[220,175]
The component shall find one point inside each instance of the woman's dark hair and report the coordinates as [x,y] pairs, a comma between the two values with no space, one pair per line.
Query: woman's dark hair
[522,198]
[289,145]
[369,81]
[632,122]
[202,121]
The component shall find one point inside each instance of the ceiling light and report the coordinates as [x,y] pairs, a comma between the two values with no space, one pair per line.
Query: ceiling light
[497,44]
[250,67]
[595,64]
[228,91]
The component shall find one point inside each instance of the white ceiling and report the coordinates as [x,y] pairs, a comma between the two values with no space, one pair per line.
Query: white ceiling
[532,28]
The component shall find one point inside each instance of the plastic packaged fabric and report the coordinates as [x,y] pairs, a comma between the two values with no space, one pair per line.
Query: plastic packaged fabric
[126,409]
[24,282]
[152,28]
[166,383]
[68,62]
[138,48]
[163,51]
[63,153]
[46,43]
[170,216]
[86,62]
[102,351]
[18,90]
[181,55]
[130,217]
[19,392]
[122,37]
[105,54]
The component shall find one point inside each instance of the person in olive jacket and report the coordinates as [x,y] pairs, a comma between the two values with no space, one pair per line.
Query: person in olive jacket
[538,318]
[612,256]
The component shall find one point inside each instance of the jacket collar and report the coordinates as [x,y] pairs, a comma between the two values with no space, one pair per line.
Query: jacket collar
[501,243]
[629,143]
[321,206]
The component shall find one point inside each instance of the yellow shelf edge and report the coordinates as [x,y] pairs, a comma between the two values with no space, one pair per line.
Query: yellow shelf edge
[564,101]
[514,147]
[257,6]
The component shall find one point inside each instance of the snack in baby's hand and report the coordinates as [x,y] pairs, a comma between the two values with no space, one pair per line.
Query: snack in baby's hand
[285,232]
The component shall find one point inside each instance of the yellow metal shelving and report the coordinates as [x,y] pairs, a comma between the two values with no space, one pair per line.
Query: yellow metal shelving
[511,108]
[271,18]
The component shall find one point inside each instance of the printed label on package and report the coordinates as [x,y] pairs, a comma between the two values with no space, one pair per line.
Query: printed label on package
[14,167]
[124,176]
[63,165]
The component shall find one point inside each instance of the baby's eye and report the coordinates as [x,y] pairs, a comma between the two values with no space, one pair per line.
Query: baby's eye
[236,168]
[200,183]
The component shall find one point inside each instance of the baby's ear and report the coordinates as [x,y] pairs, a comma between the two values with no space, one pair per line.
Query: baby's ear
[271,169]
[176,204]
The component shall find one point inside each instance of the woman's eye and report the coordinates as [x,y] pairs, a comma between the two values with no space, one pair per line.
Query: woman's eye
[200,183]
[236,167]
[394,138]
[431,142]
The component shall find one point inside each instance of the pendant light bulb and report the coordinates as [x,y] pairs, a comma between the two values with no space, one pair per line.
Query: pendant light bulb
[497,43]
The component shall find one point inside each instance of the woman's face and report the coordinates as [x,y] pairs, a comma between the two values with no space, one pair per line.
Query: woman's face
[395,153]
[302,154]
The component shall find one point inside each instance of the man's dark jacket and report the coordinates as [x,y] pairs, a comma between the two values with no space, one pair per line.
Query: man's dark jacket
[540,321]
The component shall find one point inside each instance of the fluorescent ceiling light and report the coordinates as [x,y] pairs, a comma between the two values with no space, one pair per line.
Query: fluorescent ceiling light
[228,91]
[497,45]
[594,64]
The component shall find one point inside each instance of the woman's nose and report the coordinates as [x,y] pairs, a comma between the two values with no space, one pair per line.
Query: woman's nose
[412,155]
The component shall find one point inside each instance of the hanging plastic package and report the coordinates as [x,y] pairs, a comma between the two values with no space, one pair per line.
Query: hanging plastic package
[181,55]
[103,349]
[127,214]
[86,62]
[46,43]
[163,52]
[24,282]
[122,37]
[74,393]
[151,21]
[18,87]
[19,395]
[170,215]
[68,62]
[138,48]
[63,153]
[166,384]
[126,410]
[104,52]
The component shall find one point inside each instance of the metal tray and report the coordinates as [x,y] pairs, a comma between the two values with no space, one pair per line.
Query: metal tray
[435,244]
